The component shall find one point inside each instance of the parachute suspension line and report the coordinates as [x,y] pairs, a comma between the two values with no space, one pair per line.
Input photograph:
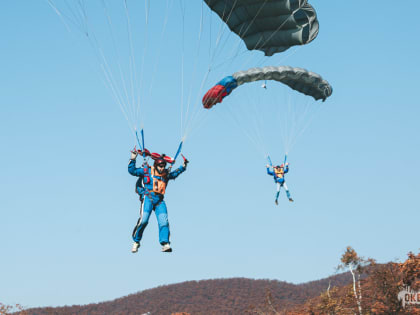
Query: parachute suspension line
[82,14]
[77,15]
[297,116]
[187,116]
[294,117]
[279,58]
[133,73]
[282,57]
[290,119]
[197,110]
[237,47]
[210,34]
[168,9]
[60,15]
[244,131]
[222,29]
[117,52]
[182,6]
[112,85]
[190,126]
[239,41]
[304,126]
[77,18]
[145,49]
[219,48]
[147,7]
[110,81]
[258,122]
[241,110]
[192,122]
[109,84]
[280,116]
[253,112]
[97,49]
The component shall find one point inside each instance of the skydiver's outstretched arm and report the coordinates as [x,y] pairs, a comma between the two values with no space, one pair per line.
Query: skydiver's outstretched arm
[269,172]
[286,168]
[132,169]
[177,172]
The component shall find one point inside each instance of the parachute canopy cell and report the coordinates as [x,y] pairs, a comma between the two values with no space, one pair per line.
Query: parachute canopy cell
[271,26]
[301,80]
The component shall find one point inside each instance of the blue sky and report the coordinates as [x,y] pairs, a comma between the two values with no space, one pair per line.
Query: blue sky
[67,206]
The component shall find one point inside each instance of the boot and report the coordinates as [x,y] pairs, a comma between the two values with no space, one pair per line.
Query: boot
[135,247]
[166,248]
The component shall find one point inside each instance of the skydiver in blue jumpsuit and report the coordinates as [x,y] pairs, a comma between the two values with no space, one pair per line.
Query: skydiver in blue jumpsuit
[278,173]
[155,180]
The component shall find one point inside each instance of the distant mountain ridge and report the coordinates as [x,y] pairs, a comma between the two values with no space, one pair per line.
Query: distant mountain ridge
[216,296]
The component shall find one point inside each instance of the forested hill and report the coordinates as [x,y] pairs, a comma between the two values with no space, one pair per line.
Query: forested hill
[217,296]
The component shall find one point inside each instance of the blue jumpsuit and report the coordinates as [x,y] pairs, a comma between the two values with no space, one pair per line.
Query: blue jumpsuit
[152,201]
[280,181]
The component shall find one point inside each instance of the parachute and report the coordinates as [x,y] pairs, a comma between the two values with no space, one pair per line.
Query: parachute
[271,26]
[301,80]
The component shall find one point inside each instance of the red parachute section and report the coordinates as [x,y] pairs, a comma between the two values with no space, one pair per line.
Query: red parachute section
[214,95]
[156,156]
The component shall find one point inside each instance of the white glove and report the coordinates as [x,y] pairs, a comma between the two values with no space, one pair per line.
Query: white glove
[133,155]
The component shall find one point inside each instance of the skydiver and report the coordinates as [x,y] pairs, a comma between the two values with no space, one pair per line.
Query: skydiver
[155,180]
[278,173]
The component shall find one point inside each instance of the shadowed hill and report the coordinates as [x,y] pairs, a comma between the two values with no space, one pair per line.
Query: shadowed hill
[217,296]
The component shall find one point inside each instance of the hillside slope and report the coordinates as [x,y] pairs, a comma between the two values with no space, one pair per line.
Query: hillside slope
[218,296]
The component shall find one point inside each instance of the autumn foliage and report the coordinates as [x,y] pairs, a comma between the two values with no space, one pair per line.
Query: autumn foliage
[374,290]
[366,288]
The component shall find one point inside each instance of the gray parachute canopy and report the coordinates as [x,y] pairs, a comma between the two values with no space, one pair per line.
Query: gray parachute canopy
[271,26]
[304,81]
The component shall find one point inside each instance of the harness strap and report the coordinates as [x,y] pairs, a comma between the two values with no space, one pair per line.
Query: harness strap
[148,193]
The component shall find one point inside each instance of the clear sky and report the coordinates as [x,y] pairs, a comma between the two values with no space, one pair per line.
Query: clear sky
[67,203]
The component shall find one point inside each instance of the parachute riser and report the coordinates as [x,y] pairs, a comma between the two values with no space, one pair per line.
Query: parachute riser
[176,155]
[269,161]
[141,145]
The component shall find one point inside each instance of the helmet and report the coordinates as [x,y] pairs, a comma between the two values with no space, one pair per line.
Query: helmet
[160,162]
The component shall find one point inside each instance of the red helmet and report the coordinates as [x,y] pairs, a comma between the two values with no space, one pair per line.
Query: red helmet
[160,162]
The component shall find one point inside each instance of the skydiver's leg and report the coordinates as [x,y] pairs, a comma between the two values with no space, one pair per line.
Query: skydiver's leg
[278,193]
[162,218]
[287,192]
[140,216]
[145,210]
